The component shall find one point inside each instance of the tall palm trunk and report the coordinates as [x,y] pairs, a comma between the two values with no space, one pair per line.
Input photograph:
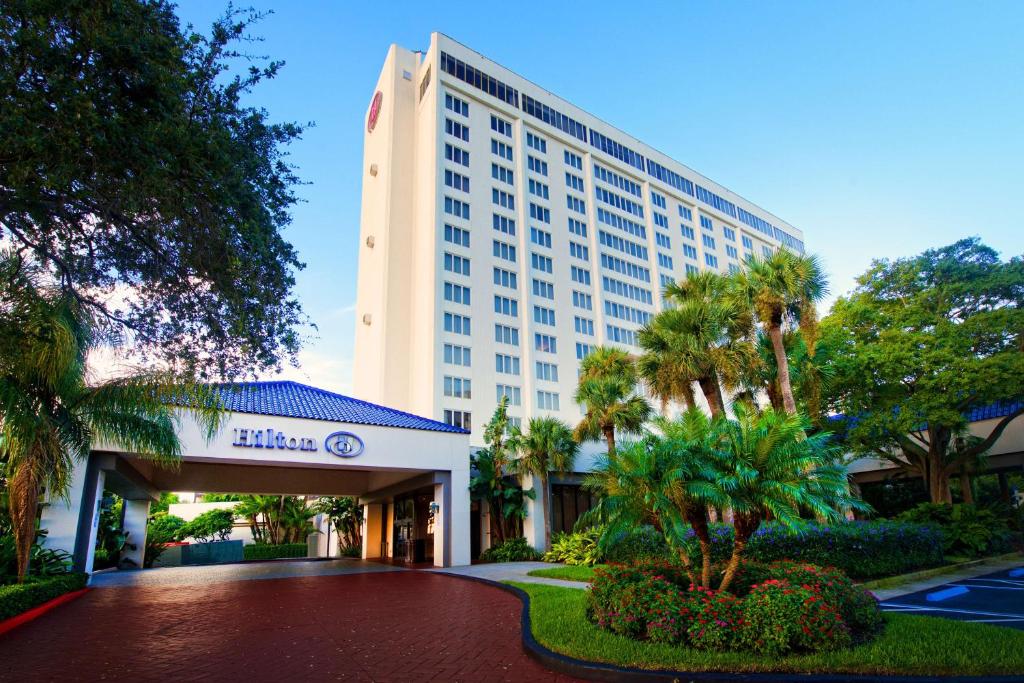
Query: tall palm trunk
[23,503]
[689,400]
[966,492]
[546,502]
[744,526]
[609,436]
[782,365]
[697,516]
[712,394]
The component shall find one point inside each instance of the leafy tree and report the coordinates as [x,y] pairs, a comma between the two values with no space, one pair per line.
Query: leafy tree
[210,525]
[607,389]
[161,529]
[133,172]
[163,505]
[276,519]
[345,515]
[52,416]
[783,291]
[490,482]
[920,342]
[547,447]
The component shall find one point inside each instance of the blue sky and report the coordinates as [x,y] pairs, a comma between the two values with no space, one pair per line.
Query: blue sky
[879,129]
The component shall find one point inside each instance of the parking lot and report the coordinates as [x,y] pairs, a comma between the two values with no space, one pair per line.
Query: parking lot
[996,598]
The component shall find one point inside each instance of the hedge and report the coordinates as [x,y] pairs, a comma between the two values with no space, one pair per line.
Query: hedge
[263,551]
[863,550]
[18,598]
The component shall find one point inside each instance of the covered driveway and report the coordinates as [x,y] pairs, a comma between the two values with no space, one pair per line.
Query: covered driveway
[371,626]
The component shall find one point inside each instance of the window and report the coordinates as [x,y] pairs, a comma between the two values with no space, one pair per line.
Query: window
[458,418]
[711,260]
[747,242]
[505,278]
[503,334]
[456,181]
[729,233]
[580,275]
[688,232]
[538,188]
[543,289]
[621,335]
[670,178]
[505,364]
[582,300]
[691,270]
[479,80]
[502,174]
[583,325]
[662,240]
[583,350]
[541,237]
[619,202]
[547,371]
[574,160]
[541,263]
[456,324]
[658,200]
[505,224]
[539,213]
[457,294]
[575,204]
[456,129]
[626,268]
[625,246]
[457,387]
[579,251]
[628,313]
[685,213]
[456,207]
[705,223]
[767,251]
[511,393]
[554,118]
[689,252]
[456,355]
[733,269]
[665,261]
[712,199]
[615,180]
[456,154]
[536,165]
[501,149]
[573,181]
[501,126]
[547,400]
[708,241]
[503,199]
[505,251]
[660,220]
[543,316]
[577,227]
[456,264]
[624,224]
[731,252]
[455,235]
[627,290]
[536,142]
[545,343]
[615,149]
[506,306]
[456,105]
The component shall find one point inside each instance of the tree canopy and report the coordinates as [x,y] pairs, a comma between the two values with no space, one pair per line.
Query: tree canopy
[132,171]
[919,343]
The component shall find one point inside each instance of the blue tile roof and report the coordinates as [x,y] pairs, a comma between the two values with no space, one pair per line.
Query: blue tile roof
[291,399]
[994,410]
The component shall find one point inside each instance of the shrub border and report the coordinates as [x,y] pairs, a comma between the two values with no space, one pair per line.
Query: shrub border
[611,673]
[33,613]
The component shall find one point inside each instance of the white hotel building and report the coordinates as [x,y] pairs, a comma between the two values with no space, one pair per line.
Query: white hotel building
[504,232]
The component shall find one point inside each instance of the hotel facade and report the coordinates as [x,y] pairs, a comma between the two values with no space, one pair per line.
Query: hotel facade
[505,232]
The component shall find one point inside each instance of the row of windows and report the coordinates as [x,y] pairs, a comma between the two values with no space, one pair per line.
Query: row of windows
[545,343]
[660,220]
[688,232]
[456,324]
[456,264]
[669,177]
[583,350]
[457,355]
[539,213]
[664,261]
[547,400]
[453,103]
[625,246]
[458,387]
[577,227]
[690,252]
[554,118]
[547,371]
[503,334]
[457,294]
[729,233]
[478,79]
[540,237]
[731,251]
[624,224]
[579,251]
[456,181]
[501,126]
[621,335]
[543,289]
[574,160]
[616,180]
[459,418]
[626,268]
[659,200]
[505,364]
[506,306]
[459,130]
[626,290]
[615,149]
[505,278]
[706,224]
[459,236]
[543,316]
[503,199]
[582,300]
[711,260]
[712,199]
[575,204]
[456,208]
[501,149]
[538,188]
[708,241]
[503,174]
[573,182]
[456,154]
[624,312]
[685,213]
[580,275]
[511,393]
[505,224]
[583,326]
[536,142]
[662,240]
[505,251]
[747,242]
[542,263]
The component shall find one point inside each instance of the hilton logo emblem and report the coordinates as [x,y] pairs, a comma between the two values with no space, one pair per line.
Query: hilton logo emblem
[371,122]
[343,444]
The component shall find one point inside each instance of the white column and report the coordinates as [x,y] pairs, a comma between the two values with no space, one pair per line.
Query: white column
[136,513]
[372,528]
[90,552]
[458,520]
[60,517]
[533,525]
[442,522]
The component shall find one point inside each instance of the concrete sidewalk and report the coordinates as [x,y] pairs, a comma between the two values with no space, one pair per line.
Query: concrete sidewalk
[969,572]
[511,571]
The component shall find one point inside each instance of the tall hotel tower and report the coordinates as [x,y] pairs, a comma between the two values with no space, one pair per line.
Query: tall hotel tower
[505,232]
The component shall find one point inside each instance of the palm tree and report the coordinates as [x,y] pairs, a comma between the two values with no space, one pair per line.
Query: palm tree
[52,415]
[782,289]
[548,446]
[606,388]
[661,369]
[770,465]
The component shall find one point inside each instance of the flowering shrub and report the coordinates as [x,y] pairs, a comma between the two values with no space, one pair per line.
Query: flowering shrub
[669,618]
[857,607]
[862,550]
[716,619]
[779,618]
[614,602]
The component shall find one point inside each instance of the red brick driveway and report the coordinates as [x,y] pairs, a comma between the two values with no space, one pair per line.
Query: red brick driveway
[399,626]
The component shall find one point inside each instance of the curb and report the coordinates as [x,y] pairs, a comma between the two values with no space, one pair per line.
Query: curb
[39,610]
[599,671]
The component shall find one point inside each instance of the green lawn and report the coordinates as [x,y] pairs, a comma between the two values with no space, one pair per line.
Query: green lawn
[567,573]
[909,645]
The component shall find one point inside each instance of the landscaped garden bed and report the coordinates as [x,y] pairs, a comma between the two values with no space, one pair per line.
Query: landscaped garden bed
[18,598]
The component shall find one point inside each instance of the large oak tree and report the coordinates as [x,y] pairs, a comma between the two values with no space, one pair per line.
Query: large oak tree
[131,169]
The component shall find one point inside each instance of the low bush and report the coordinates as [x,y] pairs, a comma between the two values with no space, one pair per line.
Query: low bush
[862,550]
[780,618]
[858,607]
[161,529]
[576,549]
[716,618]
[606,596]
[264,551]
[639,544]
[512,550]
[210,526]
[19,598]
[967,530]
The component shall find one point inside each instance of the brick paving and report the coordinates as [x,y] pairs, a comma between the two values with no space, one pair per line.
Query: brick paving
[393,626]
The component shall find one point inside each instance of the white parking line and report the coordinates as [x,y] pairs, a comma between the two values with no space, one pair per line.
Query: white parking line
[926,608]
[1009,581]
[994,588]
